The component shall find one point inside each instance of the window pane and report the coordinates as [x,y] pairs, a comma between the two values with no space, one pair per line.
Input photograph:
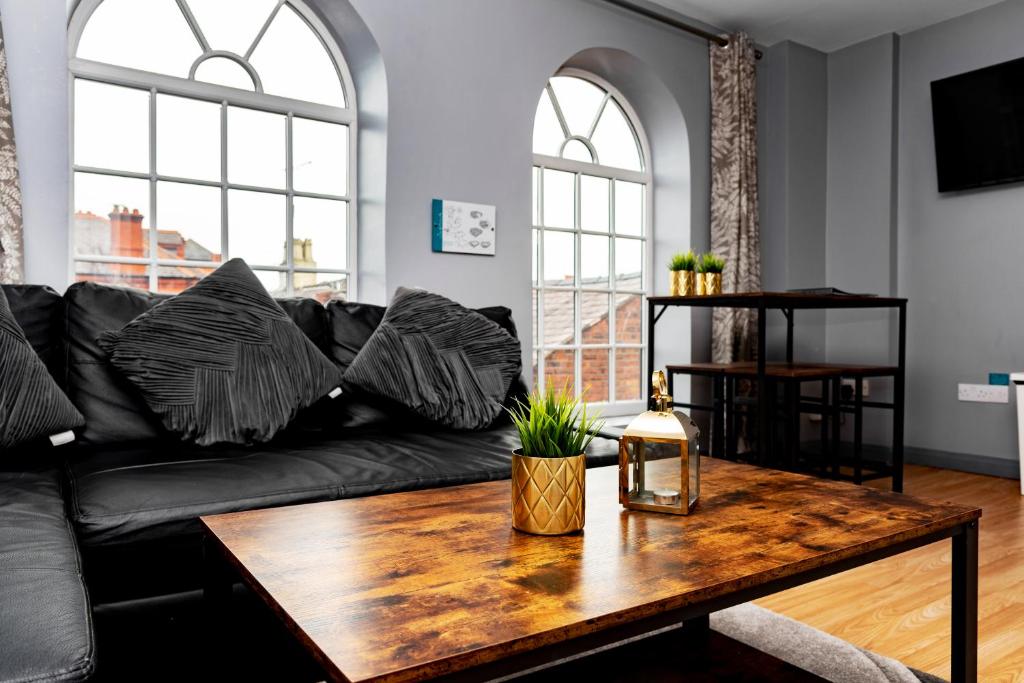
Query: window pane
[187,138]
[594,315]
[627,374]
[111,216]
[628,264]
[577,151]
[614,140]
[629,208]
[560,369]
[579,101]
[320,228]
[189,225]
[559,199]
[593,261]
[275,282]
[152,36]
[559,318]
[256,148]
[594,364]
[533,204]
[321,286]
[111,127]
[256,227]
[320,157]
[225,71]
[534,257]
[594,206]
[176,279]
[293,62]
[534,312]
[231,25]
[547,132]
[121,274]
[628,319]
[559,259]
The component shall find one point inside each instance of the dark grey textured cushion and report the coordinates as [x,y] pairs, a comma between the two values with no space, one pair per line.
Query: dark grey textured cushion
[32,406]
[447,363]
[221,362]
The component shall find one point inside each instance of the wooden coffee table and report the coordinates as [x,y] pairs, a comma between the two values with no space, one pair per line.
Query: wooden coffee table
[436,583]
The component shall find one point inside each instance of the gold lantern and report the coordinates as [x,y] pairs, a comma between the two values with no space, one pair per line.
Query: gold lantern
[659,459]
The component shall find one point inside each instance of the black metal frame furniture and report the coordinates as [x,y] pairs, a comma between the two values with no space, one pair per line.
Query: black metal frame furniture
[789,303]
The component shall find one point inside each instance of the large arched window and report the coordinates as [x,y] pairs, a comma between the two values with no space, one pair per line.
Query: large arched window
[591,185]
[206,130]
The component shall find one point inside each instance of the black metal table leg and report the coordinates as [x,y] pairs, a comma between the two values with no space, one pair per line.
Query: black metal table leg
[837,414]
[899,387]
[763,437]
[651,320]
[858,430]
[964,652]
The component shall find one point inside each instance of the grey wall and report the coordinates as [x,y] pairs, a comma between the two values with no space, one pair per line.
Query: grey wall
[463,83]
[960,254]
[35,37]
[793,105]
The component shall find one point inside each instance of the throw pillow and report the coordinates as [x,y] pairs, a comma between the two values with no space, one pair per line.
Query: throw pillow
[221,362]
[32,406]
[447,363]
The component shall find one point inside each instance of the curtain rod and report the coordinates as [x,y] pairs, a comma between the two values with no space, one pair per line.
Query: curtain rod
[674,23]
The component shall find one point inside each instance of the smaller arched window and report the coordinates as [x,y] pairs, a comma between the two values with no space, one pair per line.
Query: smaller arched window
[591,186]
[206,130]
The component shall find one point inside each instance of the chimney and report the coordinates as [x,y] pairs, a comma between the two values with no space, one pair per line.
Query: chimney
[126,236]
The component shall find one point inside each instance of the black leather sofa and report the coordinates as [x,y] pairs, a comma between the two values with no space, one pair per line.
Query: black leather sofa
[114,518]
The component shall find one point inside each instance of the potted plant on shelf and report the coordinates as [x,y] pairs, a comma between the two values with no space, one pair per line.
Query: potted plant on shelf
[549,471]
[709,274]
[681,270]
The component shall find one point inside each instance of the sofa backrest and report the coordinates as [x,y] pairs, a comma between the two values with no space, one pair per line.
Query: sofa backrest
[39,311]
[112,408]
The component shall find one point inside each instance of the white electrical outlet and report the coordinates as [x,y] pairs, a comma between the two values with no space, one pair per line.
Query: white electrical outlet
[852,383]
[983,393]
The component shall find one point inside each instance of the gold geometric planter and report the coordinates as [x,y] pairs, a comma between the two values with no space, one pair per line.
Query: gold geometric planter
[682,283]
[701,283]
[712,283]
[548,494]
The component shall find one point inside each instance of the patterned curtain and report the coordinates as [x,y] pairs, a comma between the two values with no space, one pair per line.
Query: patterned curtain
[11,257]
[734,218]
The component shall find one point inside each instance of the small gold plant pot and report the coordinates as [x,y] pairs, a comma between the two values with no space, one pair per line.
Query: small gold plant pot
[683,283]
[712,283]
[701,283]
[548,494]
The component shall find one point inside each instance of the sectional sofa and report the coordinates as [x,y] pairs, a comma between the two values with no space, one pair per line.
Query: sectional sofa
[113,517]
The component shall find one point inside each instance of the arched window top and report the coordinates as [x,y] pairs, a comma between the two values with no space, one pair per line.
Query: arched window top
[271,47]
[580,120]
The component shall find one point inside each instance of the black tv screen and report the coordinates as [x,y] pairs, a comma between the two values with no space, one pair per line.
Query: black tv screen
[979,127]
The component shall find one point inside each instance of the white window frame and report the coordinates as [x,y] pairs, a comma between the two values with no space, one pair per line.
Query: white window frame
[611,407]
[155,83]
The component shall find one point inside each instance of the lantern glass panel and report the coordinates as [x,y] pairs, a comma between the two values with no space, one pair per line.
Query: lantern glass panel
[648,475]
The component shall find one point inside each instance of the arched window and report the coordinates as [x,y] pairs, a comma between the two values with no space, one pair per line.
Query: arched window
[206,130]
[591,185]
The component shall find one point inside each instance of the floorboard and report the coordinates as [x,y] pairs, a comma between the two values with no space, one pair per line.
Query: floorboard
[900,607]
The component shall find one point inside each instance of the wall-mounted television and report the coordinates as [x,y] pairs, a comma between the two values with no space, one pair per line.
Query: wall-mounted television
[979,127]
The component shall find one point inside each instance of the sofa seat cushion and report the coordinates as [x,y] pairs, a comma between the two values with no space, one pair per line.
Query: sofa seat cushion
[46,624]
[136,508]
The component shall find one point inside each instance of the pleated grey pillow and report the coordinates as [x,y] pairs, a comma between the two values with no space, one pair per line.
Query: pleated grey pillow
[32,406]
[221,362]
[446,362]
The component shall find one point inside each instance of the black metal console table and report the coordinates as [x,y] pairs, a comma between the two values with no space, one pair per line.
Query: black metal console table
[789,303]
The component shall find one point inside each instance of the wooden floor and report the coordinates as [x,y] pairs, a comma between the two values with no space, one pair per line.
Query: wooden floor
[900,607]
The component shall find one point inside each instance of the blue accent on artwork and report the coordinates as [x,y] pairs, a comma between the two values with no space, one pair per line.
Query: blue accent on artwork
[437,223]
[1001,379]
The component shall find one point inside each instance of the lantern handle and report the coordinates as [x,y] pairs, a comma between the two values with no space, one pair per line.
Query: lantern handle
[660,396]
